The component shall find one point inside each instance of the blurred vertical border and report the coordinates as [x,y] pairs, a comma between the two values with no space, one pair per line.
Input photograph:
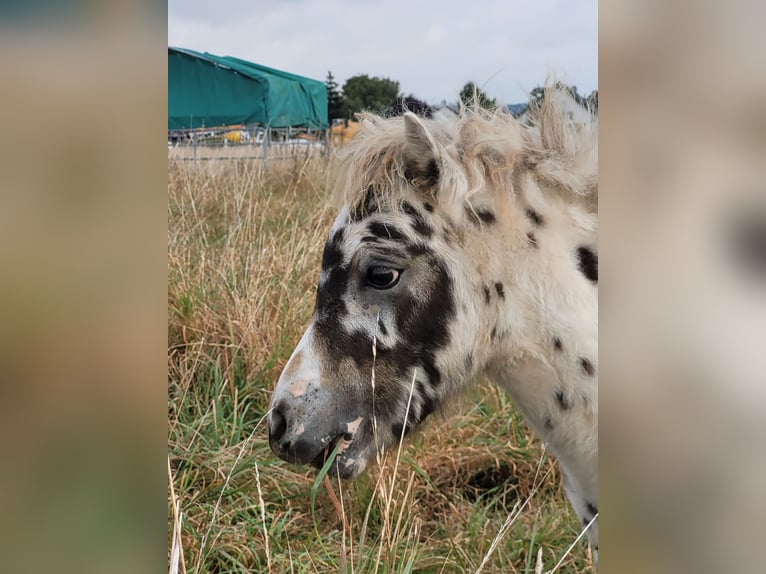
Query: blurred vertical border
[83,240]
[683,286]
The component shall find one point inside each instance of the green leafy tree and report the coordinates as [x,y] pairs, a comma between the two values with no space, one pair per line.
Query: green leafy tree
[336,104]
[471,93]
[363,93]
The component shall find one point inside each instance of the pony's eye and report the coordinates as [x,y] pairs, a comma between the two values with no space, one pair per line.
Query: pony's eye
[382,277]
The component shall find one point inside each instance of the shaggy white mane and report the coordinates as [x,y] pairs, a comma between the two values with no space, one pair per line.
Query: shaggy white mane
[478,151]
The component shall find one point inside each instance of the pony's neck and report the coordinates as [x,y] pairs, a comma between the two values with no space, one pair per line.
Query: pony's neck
[546,295]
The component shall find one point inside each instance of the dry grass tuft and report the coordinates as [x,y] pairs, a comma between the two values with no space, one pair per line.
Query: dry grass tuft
[244,246]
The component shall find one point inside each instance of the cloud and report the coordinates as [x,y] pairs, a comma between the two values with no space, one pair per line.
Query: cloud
[435,35]
[507,46]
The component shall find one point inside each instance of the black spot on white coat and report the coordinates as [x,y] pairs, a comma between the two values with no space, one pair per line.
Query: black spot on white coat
[486,216]
[480,216]
[587,366]
[534,217]
[587,261]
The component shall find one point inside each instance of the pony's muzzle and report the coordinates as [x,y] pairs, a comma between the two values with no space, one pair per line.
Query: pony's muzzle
[292,442]
[277,425]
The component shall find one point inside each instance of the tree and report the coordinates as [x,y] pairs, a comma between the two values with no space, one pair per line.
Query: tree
[471,94]
[336,105]
[363,93]
[412,104]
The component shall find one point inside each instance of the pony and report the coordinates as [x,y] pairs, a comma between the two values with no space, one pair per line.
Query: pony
[465,246]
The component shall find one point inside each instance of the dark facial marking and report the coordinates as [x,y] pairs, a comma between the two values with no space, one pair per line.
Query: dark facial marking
[428,206]
[370,204]
[384,231]
[427,403]
[423,323]
[330,292]
[534,217]
[370,239]
[487,296]
[331,308]
[419,223]
[332,256]
[500,290]
[409,209]
[416,249]
[382,328]
[557,344]
[587,366]
[340,344]
[562,400]
[329,302]
[587,262]
[532,239]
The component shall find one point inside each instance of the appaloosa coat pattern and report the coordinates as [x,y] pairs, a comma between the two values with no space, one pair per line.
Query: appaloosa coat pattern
[465,246]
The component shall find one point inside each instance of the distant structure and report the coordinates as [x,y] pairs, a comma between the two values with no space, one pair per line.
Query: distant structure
[343,131]
[205,91]
[516,109]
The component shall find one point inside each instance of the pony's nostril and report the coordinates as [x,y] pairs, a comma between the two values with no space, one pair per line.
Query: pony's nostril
[277,425]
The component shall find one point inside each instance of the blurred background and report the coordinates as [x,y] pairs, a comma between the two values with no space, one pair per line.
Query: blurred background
[82,298]
[683,294]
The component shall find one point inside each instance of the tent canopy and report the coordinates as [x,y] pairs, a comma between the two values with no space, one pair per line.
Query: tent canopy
[205,90]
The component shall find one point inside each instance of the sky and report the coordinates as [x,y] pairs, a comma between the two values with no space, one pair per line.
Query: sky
[432,49]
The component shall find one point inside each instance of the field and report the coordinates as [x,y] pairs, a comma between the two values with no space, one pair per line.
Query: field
[473,490]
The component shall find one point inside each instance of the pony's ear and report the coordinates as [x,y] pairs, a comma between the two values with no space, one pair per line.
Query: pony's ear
[421,154]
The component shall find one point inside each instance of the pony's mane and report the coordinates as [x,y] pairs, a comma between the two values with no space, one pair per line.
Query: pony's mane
[477,147]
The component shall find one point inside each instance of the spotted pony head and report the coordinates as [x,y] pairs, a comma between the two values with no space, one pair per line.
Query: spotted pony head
[401,319]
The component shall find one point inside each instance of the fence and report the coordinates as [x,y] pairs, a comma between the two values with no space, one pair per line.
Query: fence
[246,143]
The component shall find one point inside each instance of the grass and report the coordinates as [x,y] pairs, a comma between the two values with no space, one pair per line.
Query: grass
[244,248]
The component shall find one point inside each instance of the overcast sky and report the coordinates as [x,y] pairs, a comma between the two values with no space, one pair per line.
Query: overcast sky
[432,48]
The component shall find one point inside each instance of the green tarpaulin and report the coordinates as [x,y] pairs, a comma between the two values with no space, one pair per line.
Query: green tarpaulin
[206,91]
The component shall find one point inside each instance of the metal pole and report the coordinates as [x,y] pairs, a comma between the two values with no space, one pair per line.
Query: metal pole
[265,144]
